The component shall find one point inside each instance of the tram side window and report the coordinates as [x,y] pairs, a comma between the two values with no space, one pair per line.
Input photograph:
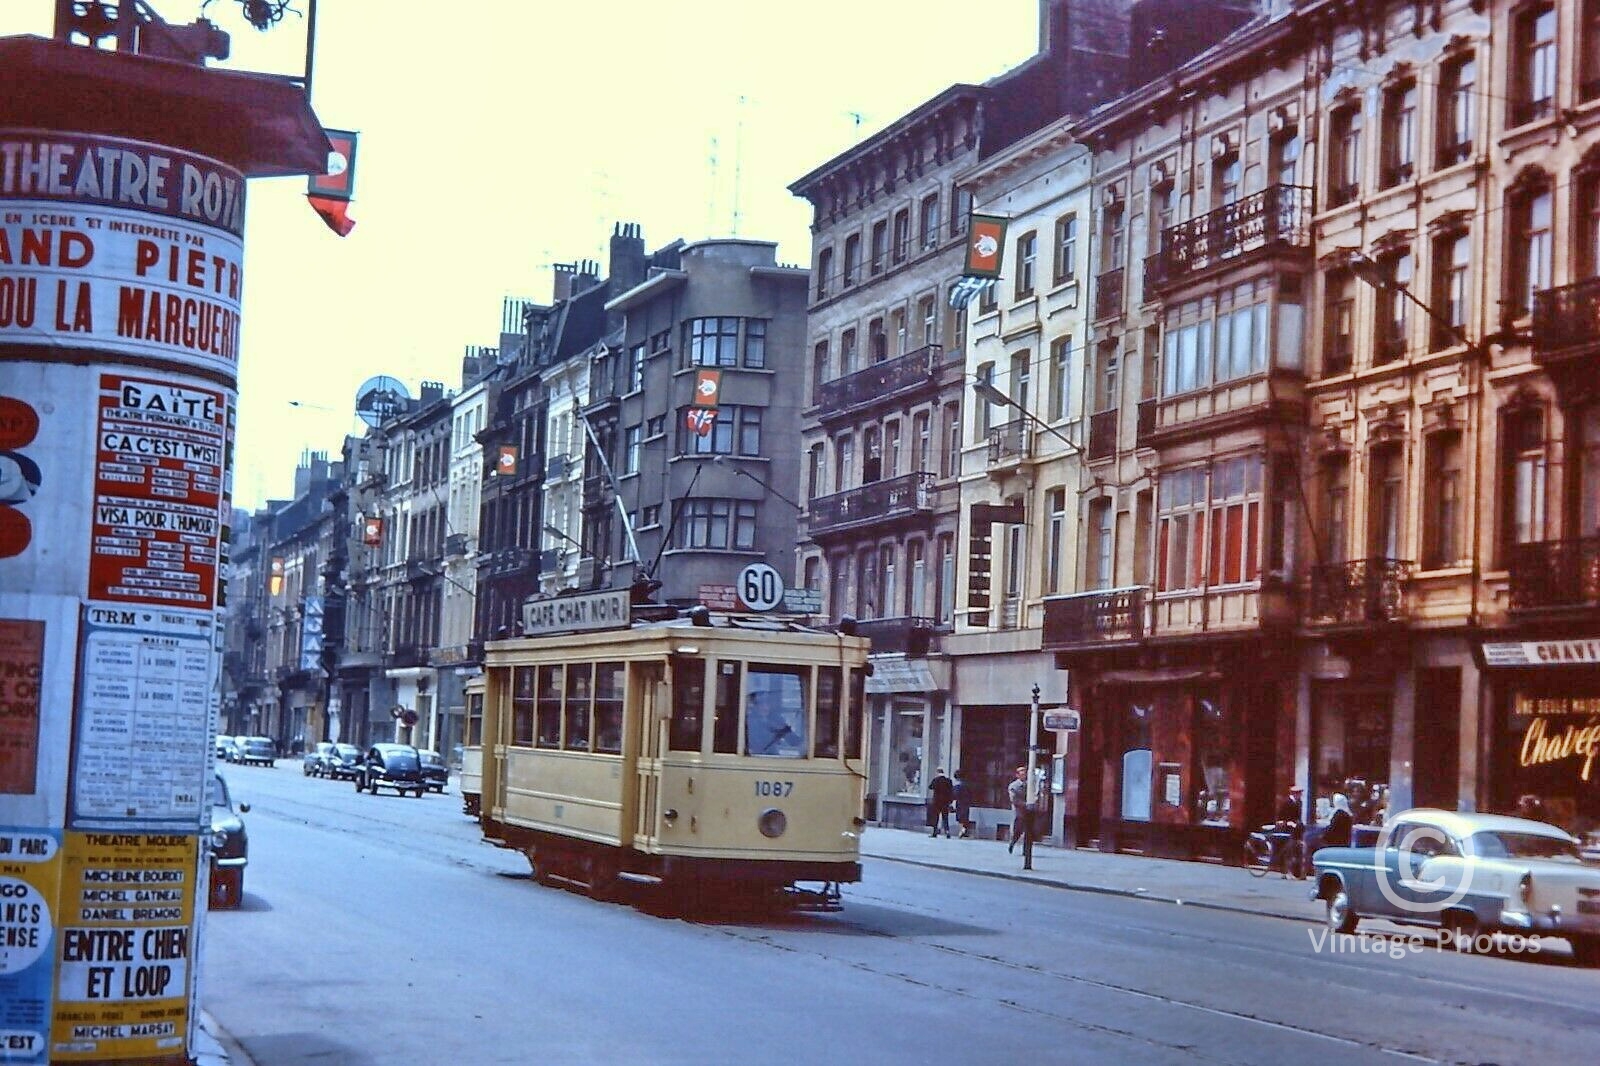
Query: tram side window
[775,712]
[580,704]
[608,688]
[688,704]
[828,700]
[474,737]
[549,706]
[725,727]
[855,722]
[521,707]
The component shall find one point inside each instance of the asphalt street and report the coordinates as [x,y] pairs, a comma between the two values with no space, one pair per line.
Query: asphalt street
[380,929]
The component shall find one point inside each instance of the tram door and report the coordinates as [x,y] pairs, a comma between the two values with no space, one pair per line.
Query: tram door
[648,697]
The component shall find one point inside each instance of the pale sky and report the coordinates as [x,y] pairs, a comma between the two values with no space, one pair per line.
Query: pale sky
[500,136]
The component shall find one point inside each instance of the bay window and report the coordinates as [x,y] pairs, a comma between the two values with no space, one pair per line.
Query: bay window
[1209,527]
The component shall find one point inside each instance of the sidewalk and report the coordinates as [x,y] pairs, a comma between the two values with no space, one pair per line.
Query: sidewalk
[213,1047]
[1196,884]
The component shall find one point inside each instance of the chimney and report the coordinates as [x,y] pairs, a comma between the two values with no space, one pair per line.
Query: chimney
[627,263]
[588,276]
[563,285]
[471,364]
[432,390]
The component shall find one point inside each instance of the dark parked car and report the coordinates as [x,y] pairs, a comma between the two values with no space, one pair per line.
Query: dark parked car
[315,761]
[396,766]
[345,762]
[229,847]
[257,751]
[434,770]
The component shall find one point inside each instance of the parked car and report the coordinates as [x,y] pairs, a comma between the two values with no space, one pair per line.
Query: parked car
[345,762]
[314,763]
[222,745]
[230,847]
[231,748]
[396,766]
[1466,874]
[434,770]
[257,751]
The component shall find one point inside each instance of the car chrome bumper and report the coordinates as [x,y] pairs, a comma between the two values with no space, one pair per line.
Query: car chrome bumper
[1555,922]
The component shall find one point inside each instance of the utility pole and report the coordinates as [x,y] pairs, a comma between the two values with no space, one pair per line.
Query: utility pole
[1033,782]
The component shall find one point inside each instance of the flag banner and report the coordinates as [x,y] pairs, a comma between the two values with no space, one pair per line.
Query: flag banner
[707,387]
[702,420]
[986,240]
[339,183]
[336,213]
[506,464]
[372,531]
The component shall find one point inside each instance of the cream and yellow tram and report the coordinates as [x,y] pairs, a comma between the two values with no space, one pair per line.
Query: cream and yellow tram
[714,752]
[471,775]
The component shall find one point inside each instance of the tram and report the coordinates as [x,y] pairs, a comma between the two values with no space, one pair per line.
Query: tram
[471,775]
[721,754]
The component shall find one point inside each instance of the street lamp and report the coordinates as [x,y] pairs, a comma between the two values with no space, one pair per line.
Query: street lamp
[986,392]
[554,532]
[1371,272]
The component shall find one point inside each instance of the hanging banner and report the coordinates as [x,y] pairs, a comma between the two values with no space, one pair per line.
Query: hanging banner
[986,239]
[506,464]
[311,634]
[701,420]
[371,535]
[707,387]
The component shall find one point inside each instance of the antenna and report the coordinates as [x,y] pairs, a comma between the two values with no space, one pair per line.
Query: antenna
[711,197]
[738,160]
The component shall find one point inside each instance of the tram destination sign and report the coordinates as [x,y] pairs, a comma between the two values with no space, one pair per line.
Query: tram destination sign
[577,614]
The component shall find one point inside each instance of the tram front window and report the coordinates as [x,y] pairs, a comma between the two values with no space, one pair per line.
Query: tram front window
[775,712]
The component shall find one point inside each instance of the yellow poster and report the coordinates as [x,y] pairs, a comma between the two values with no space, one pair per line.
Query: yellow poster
[124,946]
[30,869]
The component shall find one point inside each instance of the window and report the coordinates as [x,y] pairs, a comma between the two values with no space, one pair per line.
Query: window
[930,221]
[1055,542]
[1451,259]
[1160,216]
[877,341]
[1227,505]
[688,704]
[1394,309]
[1066,264]
[830,701]
[880,246]
[630,450]
[1533,81]
[844,451]
[916,580]
[1101,543]
[1283,156]
[1180,539]
[580,705]
[1523,478]
[651,515]
[922,442]
[717,524]
[662,341]
[928,314]
[847,352]
[945,592]
[814,471]
[749,431]
[1441,520]
[1457,108]
[736,430]
[902,234]
[712,341]
[1588,518]
[985,410]
[1587,206]
[656,427]
[852,260]
[1344,166]
[1060,378]
[1021,377]
[1235,525]
[1529,233]
[725,723]
[1385,502]
[1027,253]
[960,208]
[888,581]
[867,597]
[1340,319]
[819,369]
[1399,134]
[1114,237]
[549,706]
[824,271]
[950,457]
[1150,379]
[987,300]
[522,706]
[891,448]
[1227,174]
[636,368]
[755,343]
[897,323]
[1105,378]
[1335,475]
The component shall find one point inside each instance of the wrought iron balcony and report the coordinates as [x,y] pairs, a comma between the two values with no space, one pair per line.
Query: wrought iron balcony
[1103,434]
[504,561]
[421,569]
[1566,323]
[1108,294]
[408,655]
[880,380]
[557,467]
[550,560]
[1361,590]
[1278,216]
[896,497]
[911,636]
[1555,574]
[455,545]
[1011,442]
[1090,618]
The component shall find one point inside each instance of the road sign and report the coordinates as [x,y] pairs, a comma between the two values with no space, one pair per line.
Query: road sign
[760,587]
[1063,721]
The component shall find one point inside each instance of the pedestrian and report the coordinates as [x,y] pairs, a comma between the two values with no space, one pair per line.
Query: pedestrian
[962,797]
[1021,816]
[1531,807]
[1338,831]
[940,792]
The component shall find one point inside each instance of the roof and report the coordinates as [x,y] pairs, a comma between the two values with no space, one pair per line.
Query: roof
[909,121]
[1464,824]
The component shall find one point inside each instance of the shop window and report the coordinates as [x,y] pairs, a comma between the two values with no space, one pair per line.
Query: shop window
[1534,65]
[1522,477]
[1458,102]
[1350,751]
[1137,765]
[1213,757]
[1442,517]
[906,743]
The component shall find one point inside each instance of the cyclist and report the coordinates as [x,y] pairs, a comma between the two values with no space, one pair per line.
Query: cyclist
[1290,831]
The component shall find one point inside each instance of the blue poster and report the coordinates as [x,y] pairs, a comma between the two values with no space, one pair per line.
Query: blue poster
[30,873]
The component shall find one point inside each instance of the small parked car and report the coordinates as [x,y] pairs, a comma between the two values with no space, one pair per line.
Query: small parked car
[314,763]
[345,762]
[1466,874]
[230,747]
[230,848]
[434,770]
[396,766]
[258,751]
[222,745]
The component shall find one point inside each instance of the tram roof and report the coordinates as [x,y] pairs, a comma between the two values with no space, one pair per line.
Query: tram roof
[686,623]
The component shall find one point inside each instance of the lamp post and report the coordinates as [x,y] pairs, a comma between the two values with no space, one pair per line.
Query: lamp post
[1032,794]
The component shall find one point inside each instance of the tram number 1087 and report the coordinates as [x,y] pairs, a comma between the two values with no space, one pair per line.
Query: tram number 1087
[774,788]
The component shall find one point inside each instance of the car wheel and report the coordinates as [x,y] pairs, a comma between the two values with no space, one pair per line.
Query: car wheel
[1341,917]
[419,792]
[1459,930]
[1586,951]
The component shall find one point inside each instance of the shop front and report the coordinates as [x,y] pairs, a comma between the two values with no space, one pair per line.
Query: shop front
[910,736]
[994,727]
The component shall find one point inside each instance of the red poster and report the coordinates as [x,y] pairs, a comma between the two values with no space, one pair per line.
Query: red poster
[371,535]
[160,453]
[506,465]
[21,668]
[986,239]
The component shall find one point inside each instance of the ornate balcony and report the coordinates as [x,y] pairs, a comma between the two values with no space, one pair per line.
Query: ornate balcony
[1103,434]
[1278,216]
[1566,328]
[504,561]
[455,545]
[880,380]
[912,636]
[1554,574]
[1010,443]
[1108,294]
[1085,619]
[901,497]
[1357,592]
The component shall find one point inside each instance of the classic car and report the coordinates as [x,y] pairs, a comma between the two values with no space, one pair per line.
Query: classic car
[231,747]
[230,848]
[345,762]
[257,751]
[434,770]
[314,763]
[396,766]
[1466,874]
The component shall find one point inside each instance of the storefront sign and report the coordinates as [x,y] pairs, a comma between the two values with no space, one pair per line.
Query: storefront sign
[574,614]
[1541,653]
[901,675]
[1557,729]
[21,673]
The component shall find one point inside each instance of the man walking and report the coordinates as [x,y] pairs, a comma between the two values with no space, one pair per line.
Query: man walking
[940,792]
[1021,816]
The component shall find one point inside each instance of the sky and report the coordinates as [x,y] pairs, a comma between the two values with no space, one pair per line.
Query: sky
[501,136]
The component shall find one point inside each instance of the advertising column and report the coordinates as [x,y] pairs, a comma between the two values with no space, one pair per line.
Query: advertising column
[120,275]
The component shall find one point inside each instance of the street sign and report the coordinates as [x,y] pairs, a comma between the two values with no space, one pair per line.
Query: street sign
[1062,721]
[802,601]
[760,587]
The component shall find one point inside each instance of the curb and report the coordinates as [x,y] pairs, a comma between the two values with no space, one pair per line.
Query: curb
[215,1047]
[1102,890]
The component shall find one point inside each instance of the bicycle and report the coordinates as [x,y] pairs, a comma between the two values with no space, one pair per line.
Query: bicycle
[1275,847]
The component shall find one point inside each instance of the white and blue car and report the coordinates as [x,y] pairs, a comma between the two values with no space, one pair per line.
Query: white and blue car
[1467,875]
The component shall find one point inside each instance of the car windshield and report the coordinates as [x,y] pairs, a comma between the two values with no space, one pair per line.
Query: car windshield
[258,745]
[1489,845]
[348,751]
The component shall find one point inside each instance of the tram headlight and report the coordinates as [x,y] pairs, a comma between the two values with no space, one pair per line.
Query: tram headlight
[772,823]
